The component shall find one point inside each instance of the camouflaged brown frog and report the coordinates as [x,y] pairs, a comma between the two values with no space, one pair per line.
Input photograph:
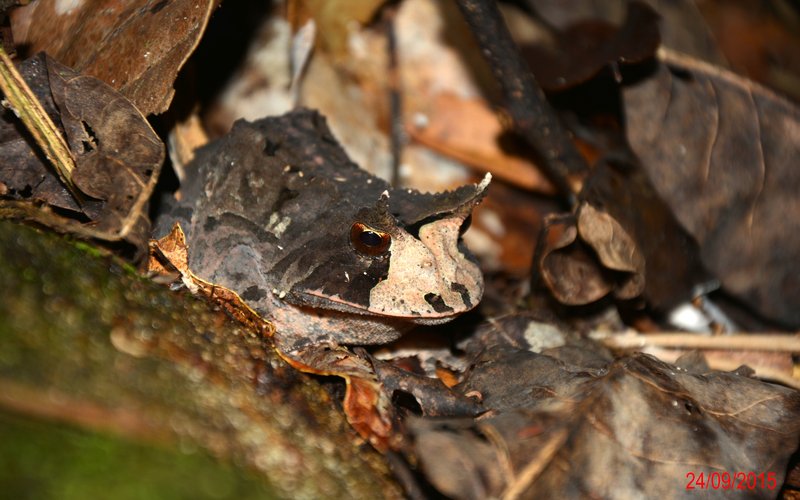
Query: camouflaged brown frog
[330,254]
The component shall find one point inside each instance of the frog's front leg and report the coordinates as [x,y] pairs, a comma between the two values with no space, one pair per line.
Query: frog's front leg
[308,341]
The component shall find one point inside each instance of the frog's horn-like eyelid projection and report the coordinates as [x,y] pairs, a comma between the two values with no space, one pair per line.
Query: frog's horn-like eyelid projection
[376,216]
[480,191]
[412,206]
[382,205]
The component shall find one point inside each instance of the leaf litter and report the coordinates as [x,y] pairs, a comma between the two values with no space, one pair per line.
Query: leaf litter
[685,180]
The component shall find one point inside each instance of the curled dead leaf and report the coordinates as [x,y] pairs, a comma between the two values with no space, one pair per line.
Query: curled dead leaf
[567,268]
[583,258]
[615,248]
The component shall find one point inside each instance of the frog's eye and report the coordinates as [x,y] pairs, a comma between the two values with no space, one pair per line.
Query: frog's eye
[369,241]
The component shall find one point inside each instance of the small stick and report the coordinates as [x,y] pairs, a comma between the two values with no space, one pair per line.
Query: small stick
[396,129]
[532,115]
[739,342]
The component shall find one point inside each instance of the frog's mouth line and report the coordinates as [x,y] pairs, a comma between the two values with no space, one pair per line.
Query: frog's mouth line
[336,303]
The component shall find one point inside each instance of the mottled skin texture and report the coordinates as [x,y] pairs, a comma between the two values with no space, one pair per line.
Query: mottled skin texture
[268,210]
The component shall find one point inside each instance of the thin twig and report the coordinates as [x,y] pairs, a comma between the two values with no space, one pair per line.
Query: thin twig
[681,340]
[533,117]
[527,476]
[396,128]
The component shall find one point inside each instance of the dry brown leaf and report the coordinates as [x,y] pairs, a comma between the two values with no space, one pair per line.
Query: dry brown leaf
[759,39]
[569,270]
[185,137]
[365,403]
[661,257]
[430,395]
[770,366]
[722,151]
[136,47]
[169,253]
[682,26]
[118,154]
[584,49]
[614,247]
[351,119]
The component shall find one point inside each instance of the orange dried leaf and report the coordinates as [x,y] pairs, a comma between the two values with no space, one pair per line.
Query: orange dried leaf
[468,130]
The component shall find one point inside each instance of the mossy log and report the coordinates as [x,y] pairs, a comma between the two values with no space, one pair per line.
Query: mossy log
[86,340]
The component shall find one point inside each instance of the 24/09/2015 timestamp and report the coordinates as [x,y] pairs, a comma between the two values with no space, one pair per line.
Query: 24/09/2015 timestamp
[731,481]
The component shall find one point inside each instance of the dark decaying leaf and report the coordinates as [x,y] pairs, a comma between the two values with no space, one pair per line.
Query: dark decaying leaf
[117,152]
[24,171]
[723,152]
[136,47]
[118,156]
[536,332]
[582,50]
[768,53]
[637,244]
[623,239]
[623,194]
[626,429]
[682,26]
[457,460]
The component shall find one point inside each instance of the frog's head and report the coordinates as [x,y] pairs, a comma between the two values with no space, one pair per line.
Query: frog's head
[401,257]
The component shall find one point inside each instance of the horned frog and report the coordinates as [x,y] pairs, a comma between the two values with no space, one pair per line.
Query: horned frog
[327,252]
